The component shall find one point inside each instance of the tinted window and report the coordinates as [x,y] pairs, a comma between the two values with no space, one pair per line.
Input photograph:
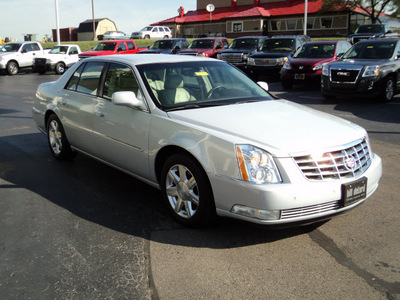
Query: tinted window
[316,51]
[121,47]
[119,78]
[131,45]
[86,78]
[371,50]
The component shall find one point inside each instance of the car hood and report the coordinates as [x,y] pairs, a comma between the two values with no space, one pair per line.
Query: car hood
[309,61]
[155,51]
[96,53]
[237,50]
[359,62]
[281,127]
[195,50]
[271,54]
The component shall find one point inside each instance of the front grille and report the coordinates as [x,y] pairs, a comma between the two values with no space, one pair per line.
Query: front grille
[265,62]
[40,61]
[232,58]
[344,75]
[310,210]
[349,162]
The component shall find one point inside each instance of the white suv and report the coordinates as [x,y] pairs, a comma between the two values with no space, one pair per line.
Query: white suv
[153,32]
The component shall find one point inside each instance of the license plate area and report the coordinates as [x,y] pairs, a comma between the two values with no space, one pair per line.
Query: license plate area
[299,76]
[354,191]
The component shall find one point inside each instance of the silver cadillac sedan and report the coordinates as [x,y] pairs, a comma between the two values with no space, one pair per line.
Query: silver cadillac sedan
[213,141]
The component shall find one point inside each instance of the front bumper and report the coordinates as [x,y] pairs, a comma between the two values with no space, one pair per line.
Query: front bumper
[299,202]
[365,88]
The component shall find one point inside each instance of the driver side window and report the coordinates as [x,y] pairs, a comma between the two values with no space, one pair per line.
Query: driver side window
[120,78]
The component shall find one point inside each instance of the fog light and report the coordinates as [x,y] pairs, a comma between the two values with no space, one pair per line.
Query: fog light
[256,213]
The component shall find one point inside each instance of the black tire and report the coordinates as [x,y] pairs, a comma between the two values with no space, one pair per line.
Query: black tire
[60,68]
[287,84]
[388,89]
[187,191]
[57,140]
[146,37]
[166,36]
[12,68]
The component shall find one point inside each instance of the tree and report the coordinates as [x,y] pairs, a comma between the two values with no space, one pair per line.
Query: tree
[372,8]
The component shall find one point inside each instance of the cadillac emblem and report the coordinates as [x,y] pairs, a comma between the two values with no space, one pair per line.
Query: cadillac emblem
[350,163]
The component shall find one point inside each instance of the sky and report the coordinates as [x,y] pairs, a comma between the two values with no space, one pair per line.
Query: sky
[19,17]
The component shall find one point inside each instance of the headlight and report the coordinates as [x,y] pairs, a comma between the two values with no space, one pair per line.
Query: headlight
[325,70]
[319,66]
[219,56]
[371,71]
[282,60]
[245,56]
[251,61]
[256,165]
[287,65]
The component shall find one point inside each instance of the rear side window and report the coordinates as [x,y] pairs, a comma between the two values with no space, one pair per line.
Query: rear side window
[86,78]
[131,45]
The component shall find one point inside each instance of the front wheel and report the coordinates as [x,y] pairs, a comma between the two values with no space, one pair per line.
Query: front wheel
[57,140]
[12,68]
[187,191]
[388,89]
[60,68]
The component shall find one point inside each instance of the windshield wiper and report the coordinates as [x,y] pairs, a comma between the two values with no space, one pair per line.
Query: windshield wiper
[191,106]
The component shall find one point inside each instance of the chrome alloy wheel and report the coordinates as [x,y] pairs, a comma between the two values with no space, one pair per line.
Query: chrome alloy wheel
[182,191]
[55,137]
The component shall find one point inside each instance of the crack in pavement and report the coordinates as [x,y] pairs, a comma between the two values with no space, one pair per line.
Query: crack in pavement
[390,289]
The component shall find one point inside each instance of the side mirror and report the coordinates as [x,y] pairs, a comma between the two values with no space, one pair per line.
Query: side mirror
[129,99]
[119,49]
[218,47]
[263,85]
[24,51]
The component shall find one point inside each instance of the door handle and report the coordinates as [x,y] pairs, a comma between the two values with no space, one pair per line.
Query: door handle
[100,114]
[62,102]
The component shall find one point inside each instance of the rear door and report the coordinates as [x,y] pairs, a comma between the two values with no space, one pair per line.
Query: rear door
[76,105]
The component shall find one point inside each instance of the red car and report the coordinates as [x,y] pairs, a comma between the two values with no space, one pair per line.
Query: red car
[306,64]
[112,47]
[207,47]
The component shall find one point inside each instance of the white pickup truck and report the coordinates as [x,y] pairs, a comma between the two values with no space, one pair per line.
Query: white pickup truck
[58,59]
[14,56]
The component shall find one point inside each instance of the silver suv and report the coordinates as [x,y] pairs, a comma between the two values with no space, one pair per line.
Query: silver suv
[153,32]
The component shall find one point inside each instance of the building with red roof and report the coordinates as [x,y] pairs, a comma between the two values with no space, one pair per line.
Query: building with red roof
[233,18]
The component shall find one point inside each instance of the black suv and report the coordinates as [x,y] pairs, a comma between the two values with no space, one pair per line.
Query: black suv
[240,49]
[365,32]
[369,69]
[166,46]
[273,54]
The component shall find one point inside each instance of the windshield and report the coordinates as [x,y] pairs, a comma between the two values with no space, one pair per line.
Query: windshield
[198,84]
[202,44]
[383,50]
[162,45]
[13,47]
[315,51]
[244,44]
[370,29]
[148,28]
[59,50]
[278,45]
[105,47]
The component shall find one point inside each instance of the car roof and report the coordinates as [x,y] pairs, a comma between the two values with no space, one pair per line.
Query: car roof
[143,59]
[212,38]
[252,37]
[325,42]
[115,41]
[379,40]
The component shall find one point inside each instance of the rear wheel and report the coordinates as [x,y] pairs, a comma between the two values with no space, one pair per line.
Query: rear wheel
[57,140]
[388,89]
[12,68]
[187,191]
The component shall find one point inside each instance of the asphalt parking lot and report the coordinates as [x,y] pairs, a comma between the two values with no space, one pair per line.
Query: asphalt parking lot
[82,230]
